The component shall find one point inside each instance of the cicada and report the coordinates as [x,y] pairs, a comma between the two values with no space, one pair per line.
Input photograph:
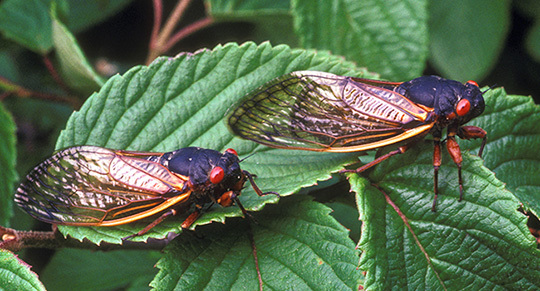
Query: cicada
[94,186]
[323,112]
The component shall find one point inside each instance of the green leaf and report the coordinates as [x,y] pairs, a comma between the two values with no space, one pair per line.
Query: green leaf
[84,14]
[533,41]
[27,23]
[272,20]
[90,270]
[76,70]
[16,275]
[513,135]
[481,242]
[462,239]
[180,102]
[531,10]
[218,7]
[298,245]
[467,36]
[345,212]
[8,156]
[389,37]
[8,67]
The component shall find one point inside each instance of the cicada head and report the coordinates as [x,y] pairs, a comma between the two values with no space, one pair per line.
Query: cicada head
[471,103]
[466,104]
[227,172]
[211,174]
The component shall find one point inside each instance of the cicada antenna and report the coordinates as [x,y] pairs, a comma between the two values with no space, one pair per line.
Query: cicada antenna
[491,87]
[250,155]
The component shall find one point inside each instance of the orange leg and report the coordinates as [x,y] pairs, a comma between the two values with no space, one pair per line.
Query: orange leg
[191,218]
[464,132]
[400,150]
[255,187]
[171,212]
[436,165]
[453,149]
[468,132]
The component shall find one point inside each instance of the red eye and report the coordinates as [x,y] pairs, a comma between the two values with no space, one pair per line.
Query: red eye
[216,175]
[231,151]
[472,83]
[463,107]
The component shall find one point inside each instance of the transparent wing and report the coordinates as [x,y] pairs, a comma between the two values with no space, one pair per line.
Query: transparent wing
[325,112]
[90,185]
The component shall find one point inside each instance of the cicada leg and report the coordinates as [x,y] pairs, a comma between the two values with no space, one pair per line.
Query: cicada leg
[455,153]
[468,132]
[191,219]
[400,150]
[255,187]
[158,220]
[437,160]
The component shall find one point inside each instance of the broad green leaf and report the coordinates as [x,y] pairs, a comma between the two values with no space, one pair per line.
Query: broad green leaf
[84,14]
[481,242]
[299,246]
[8,67]
[16,275]
[179,102]
[8,155]
[513,135]
[482,228]
[72,269]
[533,42]
[345,212]
[27,23]
[388,37]
[76,70]
[466,36]
[248,7]
[531,9]
[272,20]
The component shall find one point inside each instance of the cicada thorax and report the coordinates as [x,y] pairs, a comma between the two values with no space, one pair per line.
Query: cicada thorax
[452,101]
[211,174]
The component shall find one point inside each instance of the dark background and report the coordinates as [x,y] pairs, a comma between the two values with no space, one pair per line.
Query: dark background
[124,38]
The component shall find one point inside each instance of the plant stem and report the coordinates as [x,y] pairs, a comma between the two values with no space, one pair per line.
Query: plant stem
[54,73]
[162,41]
[171,23]
[158,12]
[158,39]
[12,88]
[15,240]
[188,30]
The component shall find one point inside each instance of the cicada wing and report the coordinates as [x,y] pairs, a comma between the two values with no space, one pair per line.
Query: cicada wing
[90,185]
[325,112]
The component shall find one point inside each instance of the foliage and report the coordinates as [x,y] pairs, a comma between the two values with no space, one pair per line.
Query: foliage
[173,102]
[16,274]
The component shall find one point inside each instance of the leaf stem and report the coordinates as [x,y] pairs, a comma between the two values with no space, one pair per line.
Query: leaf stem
[158,12]
[16,240]
[255,257]
[413,233]
[161,41]
[54,73]
[188,30]
[171,23]
[14,89]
